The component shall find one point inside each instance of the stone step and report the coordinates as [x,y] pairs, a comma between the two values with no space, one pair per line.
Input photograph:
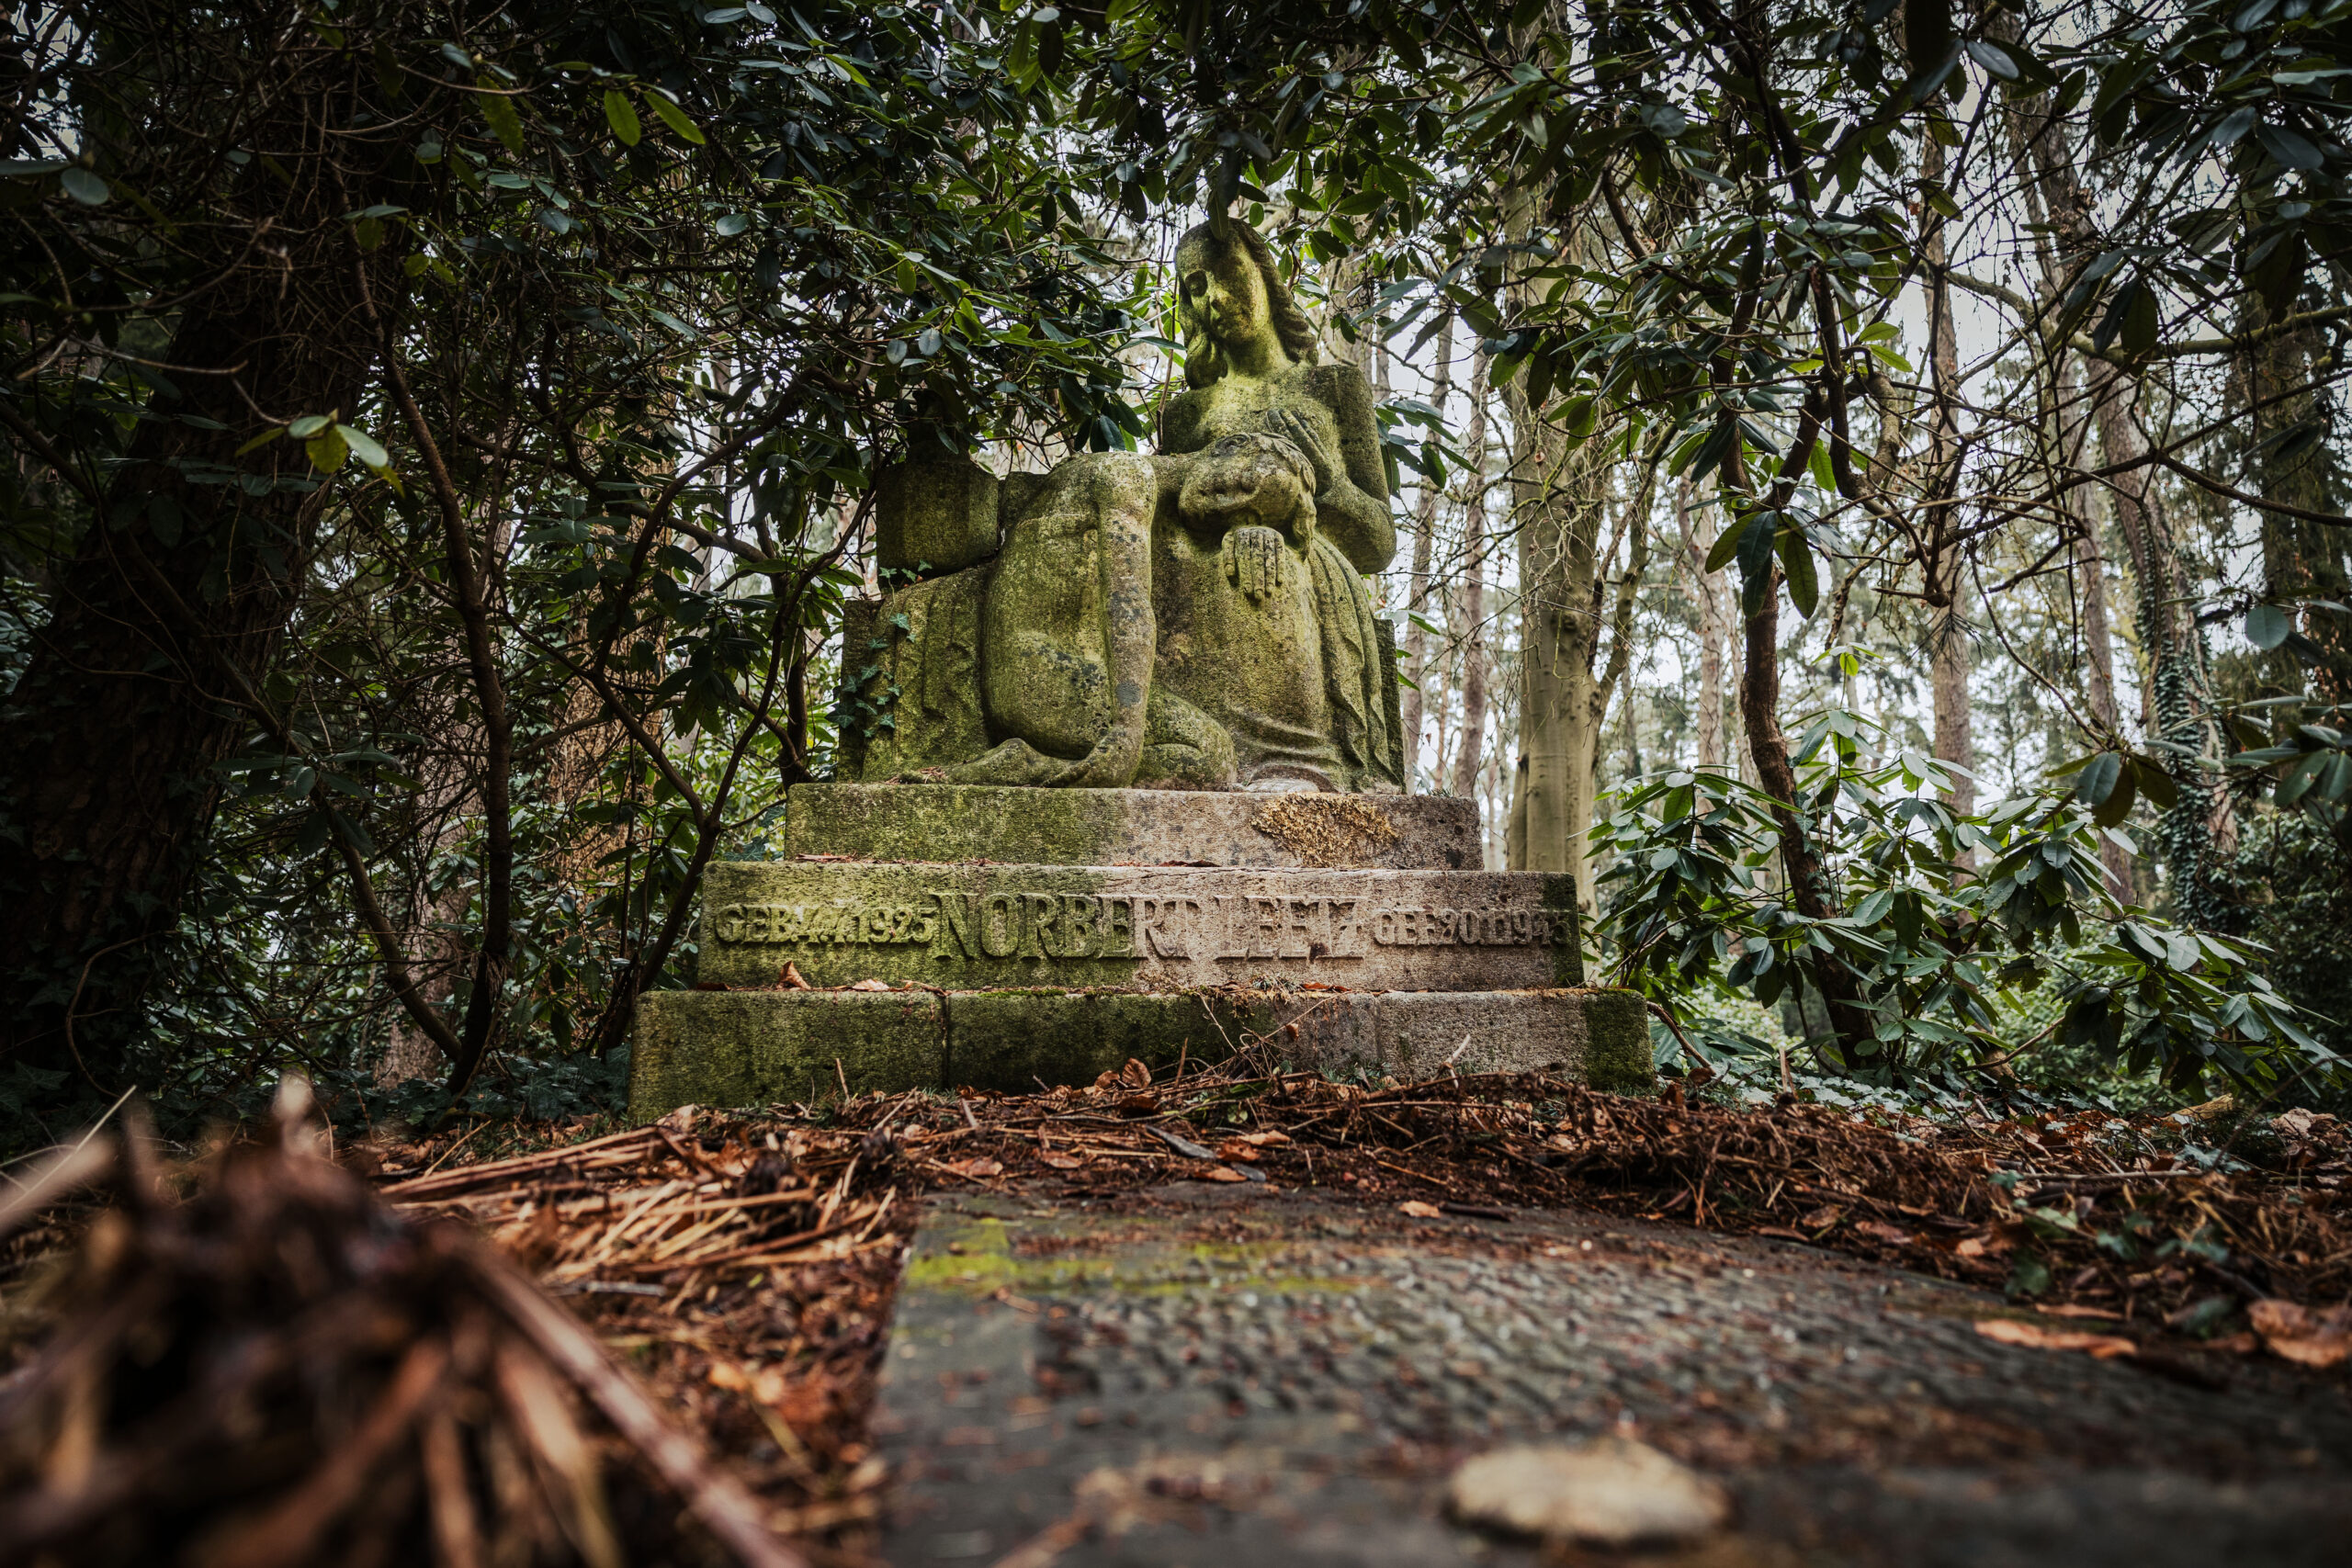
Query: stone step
[1142,827]
[972,926]
[757,1047]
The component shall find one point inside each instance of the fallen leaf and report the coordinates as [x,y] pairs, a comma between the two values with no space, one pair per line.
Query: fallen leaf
[2295,1333]
[1105,1079]
[1783,1232]
[1134,1074]
[1139,1105]
[2101,1314]
[2033,1336]
[976,1168]
[1822,1218]
[1879,1230]
[1264,1140]
[1222,1173]
[2295,1123]
[1234,1148]
[1612,1492]
[790,979]
[1420,1209]
[1062,1162]
[871,986]
[1973,1246]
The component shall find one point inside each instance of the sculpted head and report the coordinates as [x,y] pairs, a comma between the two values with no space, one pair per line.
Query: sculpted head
[1228,292]
[1237,480]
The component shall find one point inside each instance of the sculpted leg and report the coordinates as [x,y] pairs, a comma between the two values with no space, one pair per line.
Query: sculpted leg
[1068,635]
[1184,747]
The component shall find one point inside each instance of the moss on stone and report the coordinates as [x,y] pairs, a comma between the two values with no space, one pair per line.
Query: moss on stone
[738,1048]
[1617,1042]
[1011,1040]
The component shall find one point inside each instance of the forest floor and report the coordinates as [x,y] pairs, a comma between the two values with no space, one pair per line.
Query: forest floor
[1251,1319]
[1261,1319]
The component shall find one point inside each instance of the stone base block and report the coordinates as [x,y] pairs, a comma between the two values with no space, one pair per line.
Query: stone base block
[739,1048]
[1131,827]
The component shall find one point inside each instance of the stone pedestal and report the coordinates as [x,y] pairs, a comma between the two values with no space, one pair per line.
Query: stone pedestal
[1030,935]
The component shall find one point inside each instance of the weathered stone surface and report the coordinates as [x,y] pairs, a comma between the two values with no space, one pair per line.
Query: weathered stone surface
[1239,1377]
[1122,827]
[1194,619]
[911,685]
[752,1047]
[934,512]
[970,926]
[758,1047]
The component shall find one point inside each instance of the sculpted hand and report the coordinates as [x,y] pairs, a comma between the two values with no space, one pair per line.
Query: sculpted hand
[1300,432]
[1255,559]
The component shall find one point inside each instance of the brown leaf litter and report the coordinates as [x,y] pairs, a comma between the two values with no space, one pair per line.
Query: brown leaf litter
[220,1371]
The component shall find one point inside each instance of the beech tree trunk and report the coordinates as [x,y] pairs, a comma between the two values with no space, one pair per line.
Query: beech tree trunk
[1417,641]
[1471,634]
[1944,563]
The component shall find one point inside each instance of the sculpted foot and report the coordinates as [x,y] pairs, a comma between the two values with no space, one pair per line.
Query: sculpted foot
[1014,762]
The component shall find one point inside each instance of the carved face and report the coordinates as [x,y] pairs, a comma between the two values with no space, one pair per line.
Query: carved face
[1223,290]
[1245,479]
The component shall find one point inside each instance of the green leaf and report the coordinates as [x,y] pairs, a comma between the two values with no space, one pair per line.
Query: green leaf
[2290,148]
[2141,324]
[2268,625]
[364,447]
[2118,804]
[326,450]
[1994,57]
[498,113]
[675,118]
[1796,560]
[621,115]
[310,424]
[2155,784]
[264,439]
[2097,781]
[84,186]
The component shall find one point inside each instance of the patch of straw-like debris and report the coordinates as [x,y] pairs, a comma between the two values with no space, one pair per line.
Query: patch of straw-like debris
[1326,830]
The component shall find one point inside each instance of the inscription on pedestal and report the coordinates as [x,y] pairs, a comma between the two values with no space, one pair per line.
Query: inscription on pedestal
[1107,925]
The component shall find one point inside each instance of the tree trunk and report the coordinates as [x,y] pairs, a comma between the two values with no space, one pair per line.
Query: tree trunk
[2301,559]
[1945,565]
[2034,138]
[1698,532]
[1417,640]
[1471,633]
[167,619]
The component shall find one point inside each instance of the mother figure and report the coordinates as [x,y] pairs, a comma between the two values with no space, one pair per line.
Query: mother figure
[1198,619]
[1251,366]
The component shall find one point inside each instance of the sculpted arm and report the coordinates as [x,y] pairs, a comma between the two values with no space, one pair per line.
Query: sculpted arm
[1351,502]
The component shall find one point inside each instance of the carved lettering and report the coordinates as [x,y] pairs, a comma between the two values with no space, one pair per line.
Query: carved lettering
[1001,924]
[1080,935]
[959,935]
[1347,932]
[1040,923]
[1118,928]
[727,925]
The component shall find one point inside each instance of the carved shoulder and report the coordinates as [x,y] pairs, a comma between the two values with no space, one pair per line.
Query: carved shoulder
[1180,423]
[1344,389]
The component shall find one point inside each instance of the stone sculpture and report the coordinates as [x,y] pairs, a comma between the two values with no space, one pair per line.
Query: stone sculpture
[1043,859]
[1193,620]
